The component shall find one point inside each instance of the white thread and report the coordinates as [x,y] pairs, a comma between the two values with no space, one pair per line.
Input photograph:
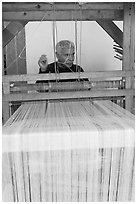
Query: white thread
[80,124]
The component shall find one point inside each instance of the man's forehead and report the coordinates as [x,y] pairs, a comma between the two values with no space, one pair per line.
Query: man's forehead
[64,46]
[66,50]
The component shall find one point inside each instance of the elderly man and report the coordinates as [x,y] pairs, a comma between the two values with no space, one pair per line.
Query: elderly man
[65,53]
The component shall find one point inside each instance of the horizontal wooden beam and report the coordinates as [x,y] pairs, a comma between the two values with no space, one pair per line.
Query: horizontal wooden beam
[63,15]
[45,6]
[113,31]
[66,95]
[91,75]
[62,86]
[12,30]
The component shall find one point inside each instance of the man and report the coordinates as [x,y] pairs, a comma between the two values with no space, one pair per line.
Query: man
[65,53]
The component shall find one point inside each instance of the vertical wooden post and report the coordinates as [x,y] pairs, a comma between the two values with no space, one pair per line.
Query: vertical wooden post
[5,104]
[129,48]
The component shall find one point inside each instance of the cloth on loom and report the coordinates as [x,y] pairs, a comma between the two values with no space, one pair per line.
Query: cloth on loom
[69,151]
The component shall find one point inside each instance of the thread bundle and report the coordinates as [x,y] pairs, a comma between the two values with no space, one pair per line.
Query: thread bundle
[69,151]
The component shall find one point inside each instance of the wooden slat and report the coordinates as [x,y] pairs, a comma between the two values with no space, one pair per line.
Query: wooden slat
[112,29]
[41,6]
[90,75]
[87,15]
[67,95]
[11,31]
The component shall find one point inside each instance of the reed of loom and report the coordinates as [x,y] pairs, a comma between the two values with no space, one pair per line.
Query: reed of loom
[97,87]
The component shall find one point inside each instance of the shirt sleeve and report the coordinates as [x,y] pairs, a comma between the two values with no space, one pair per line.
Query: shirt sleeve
[81,69]
[47,70]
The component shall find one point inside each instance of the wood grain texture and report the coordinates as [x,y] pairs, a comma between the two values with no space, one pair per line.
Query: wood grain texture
[42,6]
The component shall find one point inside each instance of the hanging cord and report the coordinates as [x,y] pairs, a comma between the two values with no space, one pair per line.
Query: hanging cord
[80,52]
[19,56]
[54,44]
[80,32]
[76,42]
[54,32]
[76,33]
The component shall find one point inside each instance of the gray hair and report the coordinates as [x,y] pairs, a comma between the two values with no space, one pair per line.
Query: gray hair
[64,44]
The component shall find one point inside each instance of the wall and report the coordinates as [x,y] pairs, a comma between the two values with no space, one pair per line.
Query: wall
[96,45]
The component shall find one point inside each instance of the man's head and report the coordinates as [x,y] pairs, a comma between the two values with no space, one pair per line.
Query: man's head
[65,52]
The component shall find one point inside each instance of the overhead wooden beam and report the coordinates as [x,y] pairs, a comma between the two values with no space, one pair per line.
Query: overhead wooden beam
[66,15]
[12,30]
[129,48]
[113,31]
[48,6]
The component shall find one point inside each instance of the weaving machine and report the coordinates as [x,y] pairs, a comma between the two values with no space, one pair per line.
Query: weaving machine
[69,141]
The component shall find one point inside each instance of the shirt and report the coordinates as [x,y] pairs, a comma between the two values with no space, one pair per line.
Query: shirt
[61,68]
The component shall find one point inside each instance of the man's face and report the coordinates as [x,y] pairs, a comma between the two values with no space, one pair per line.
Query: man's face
[66,56]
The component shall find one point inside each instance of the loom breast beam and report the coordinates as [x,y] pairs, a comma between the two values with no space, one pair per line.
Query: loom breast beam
[92,76]
[69,151]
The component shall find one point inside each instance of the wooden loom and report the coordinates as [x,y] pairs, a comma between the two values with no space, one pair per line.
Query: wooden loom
[94,89]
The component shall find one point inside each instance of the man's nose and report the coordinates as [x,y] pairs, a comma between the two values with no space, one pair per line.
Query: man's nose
[70,57]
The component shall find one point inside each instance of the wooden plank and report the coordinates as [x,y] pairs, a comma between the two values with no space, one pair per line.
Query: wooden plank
[11,57]
[68,15]
[129,47]
[66,95]
[7,36]
[91,75]
[6,88]
[15,48]
[21,52]
[44,6]
[112,30]
[11,30]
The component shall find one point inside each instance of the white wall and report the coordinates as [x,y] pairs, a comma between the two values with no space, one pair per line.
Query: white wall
[96,45]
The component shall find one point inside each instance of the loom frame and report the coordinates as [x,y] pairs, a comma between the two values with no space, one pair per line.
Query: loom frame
[104,14]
